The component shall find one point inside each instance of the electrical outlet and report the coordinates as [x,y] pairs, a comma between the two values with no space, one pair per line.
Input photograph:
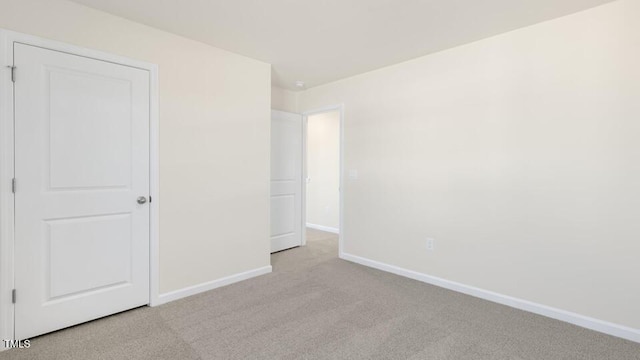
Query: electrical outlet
[430,244]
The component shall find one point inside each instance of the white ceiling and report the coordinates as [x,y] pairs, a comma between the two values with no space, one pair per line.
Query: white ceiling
[325,40]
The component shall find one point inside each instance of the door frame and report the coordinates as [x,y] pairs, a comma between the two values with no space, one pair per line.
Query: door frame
[305,118]
[7,173]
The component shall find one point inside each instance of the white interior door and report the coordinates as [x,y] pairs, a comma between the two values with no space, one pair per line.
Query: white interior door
[286,180]
[82,161]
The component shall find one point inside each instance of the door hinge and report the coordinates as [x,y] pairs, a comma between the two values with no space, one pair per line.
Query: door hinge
[13,73]
[13,296]
[13,185]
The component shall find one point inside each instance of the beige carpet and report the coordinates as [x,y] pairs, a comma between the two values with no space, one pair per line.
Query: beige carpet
[315,306]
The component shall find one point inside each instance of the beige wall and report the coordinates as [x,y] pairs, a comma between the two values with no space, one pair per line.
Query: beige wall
[284,100]
[323,169]
[214,137]
[519,154]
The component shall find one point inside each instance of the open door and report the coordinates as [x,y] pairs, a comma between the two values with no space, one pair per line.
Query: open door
[286,180]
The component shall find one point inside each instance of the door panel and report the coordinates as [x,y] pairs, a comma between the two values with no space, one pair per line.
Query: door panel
[82,159]
[88,112]
[286,180]
[282,225]
[97,238]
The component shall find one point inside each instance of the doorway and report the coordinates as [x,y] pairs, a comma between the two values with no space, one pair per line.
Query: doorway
[323,168]
[322,181]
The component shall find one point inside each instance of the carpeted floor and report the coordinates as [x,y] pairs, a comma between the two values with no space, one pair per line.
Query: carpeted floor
[316,306]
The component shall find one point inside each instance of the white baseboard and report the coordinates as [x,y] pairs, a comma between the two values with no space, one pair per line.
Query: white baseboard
[196,289]
[323,228]
[558,314]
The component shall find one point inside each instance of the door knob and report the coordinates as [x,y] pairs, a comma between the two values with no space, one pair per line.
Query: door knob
[142,200]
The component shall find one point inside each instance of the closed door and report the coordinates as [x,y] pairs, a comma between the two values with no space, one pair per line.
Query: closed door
[286,180]
[82,185]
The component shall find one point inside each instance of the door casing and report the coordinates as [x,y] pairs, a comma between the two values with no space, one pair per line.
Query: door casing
[7,215]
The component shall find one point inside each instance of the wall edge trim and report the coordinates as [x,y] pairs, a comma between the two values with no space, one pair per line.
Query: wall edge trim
[210,285]
[323,228]
[587,322]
